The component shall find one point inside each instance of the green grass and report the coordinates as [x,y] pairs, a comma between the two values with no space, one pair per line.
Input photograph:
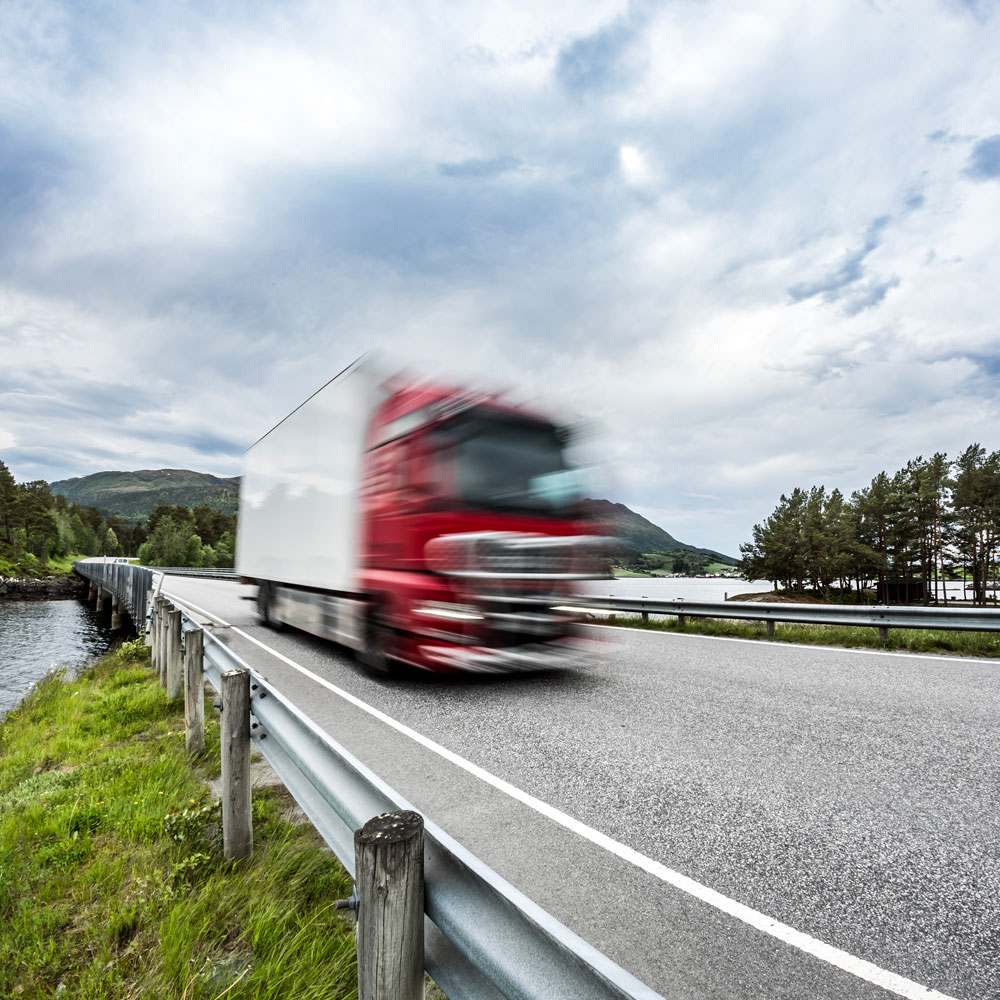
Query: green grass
[719,567]
[62,565]
[31,566]
[715,567]
[910,640]
[112,880]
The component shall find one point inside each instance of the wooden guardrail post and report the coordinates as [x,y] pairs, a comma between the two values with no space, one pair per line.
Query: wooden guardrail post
[148,637]
[157,633]
[770,629]
[167,642]
[154,617]
[389,861]
[682,621]
[237,820]
[194,691]
[883,634]
[165,608]
[173,654]
[645,617]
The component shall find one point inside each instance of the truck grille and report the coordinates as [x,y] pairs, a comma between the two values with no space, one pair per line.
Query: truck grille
[502,555]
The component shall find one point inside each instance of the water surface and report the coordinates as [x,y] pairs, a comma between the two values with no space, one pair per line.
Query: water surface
[38,636]
[680,588]
[719,589]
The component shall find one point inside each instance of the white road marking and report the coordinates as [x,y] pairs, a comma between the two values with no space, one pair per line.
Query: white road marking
[213,619]
[898,654]
[858,967]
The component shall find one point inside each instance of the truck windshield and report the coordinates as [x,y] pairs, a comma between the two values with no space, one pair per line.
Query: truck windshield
[506,462]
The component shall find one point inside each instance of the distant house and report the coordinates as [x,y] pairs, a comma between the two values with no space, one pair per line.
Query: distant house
[901,590]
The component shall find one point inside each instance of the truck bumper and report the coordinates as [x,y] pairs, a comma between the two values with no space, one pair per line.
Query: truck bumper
[509,659]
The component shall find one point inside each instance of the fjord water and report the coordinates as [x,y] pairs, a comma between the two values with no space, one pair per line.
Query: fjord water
[721,588]
[38,636]
[676,588]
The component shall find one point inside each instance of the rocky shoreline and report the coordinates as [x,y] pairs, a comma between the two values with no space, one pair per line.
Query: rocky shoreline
[49,588]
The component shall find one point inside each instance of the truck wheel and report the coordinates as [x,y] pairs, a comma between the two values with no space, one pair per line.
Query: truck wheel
[375,655]
[265,600]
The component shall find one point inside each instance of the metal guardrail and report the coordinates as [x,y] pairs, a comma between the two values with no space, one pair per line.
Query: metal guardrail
[872,616]
[484,939]
[218,573]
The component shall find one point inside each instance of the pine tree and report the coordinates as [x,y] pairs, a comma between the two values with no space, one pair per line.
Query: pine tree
[9,504]
[975,498]
[38,516]
[875,510]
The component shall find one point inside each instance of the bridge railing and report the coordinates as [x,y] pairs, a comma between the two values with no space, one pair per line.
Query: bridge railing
[213,573]
[483,939]
[129,584]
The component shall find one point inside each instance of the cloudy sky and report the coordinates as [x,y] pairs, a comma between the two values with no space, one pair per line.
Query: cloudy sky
[756,248]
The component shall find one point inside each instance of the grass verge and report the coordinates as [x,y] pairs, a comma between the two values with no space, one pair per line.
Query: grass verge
[112,879]
[30,566]
[986,644]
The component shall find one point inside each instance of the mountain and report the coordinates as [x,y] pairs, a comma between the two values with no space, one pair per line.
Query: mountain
[638,533]
[135,495]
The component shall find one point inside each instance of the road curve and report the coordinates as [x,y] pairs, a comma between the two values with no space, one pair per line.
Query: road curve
[847,797]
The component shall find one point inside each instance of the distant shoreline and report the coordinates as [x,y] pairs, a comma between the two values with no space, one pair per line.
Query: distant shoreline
[46,588]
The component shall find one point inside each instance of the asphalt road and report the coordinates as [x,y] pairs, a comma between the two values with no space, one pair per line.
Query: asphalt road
[849,795]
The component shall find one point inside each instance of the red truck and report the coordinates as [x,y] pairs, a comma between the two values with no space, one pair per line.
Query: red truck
[417,523]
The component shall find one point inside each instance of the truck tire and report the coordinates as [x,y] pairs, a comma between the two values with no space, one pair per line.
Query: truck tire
[375,654]
[262,601]
[265,600]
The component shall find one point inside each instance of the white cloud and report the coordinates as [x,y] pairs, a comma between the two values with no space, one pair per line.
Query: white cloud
[633,165]
[211,212]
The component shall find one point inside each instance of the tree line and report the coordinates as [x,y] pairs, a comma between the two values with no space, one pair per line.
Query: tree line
[36,525]
[933,520]
[686,562]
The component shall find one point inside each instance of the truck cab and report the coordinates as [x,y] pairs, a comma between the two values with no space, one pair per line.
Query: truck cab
[472,532]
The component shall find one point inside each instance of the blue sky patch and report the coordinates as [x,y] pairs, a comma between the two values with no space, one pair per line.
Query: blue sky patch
[984,160]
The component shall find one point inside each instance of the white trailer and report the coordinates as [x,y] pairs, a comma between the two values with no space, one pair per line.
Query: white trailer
[299,521]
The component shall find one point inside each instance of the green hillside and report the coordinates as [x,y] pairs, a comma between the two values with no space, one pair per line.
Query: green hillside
[636,532]
[134,495]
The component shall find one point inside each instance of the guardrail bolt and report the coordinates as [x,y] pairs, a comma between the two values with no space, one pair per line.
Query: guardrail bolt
[349,904]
